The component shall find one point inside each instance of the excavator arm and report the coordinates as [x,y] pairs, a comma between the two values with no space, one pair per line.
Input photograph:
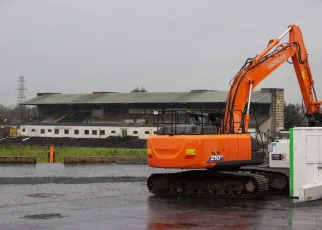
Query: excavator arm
[257,69]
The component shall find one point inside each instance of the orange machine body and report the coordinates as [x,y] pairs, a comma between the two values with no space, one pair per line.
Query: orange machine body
[197,151]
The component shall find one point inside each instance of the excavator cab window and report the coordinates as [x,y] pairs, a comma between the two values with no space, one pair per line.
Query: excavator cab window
[181,122]
[187,130]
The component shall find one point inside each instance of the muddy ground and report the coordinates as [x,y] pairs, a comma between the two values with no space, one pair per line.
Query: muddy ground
[124,204]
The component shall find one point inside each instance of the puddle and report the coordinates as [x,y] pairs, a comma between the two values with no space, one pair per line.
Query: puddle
[44,216]
[44,195]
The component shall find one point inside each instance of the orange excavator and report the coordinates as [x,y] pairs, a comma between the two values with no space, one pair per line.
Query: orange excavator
[220,158]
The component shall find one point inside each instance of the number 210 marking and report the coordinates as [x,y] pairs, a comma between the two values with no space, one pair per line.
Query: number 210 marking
[215,157]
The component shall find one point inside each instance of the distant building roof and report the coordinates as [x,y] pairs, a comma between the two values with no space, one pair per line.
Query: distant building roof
[195,96]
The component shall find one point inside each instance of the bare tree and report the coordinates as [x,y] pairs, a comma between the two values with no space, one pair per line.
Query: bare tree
[139,90]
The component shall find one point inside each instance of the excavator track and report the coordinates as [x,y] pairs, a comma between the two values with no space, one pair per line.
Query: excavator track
[278,178]
[206,183]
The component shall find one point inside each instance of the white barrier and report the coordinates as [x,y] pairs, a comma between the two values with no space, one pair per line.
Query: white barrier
[306,163]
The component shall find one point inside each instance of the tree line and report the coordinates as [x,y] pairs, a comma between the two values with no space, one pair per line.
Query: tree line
[14,114]
[294,115]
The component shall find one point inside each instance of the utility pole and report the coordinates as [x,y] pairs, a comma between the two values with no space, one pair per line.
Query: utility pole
[21,88]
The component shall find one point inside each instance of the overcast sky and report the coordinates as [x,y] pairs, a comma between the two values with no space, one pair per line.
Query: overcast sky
[78,46]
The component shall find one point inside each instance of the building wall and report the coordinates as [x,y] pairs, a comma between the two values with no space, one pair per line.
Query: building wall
[277,109]
[69,131]
[266,115]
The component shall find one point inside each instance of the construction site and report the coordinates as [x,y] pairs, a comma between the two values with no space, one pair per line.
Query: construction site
[238,158]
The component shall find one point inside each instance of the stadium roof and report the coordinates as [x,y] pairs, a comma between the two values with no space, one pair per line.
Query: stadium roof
[202,96]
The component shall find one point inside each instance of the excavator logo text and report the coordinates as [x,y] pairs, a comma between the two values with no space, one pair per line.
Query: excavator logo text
[276,61]
[216,157]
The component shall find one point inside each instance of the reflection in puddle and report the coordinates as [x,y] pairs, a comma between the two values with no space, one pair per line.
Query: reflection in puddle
[199,213]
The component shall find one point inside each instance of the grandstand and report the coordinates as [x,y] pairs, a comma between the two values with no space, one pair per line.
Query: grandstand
[105,114]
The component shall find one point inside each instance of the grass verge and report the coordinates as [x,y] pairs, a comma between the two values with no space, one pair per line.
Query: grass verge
[41,152]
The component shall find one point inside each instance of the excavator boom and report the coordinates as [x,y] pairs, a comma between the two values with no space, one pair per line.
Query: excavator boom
[222,153]
[262,66]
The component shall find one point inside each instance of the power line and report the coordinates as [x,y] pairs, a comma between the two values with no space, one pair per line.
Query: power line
[21,88]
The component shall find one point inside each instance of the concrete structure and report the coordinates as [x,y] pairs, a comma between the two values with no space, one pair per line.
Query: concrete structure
[87,115]
[276,109]
[276,121]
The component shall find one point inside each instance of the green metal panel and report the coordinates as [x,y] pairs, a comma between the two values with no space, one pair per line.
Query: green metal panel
[291,163]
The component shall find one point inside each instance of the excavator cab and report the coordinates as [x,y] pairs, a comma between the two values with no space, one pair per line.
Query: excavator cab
[193,139]
[188,122]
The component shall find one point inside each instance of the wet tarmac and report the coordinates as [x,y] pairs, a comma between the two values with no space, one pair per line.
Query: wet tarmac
[78,170]
[76,174]
[128,205]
